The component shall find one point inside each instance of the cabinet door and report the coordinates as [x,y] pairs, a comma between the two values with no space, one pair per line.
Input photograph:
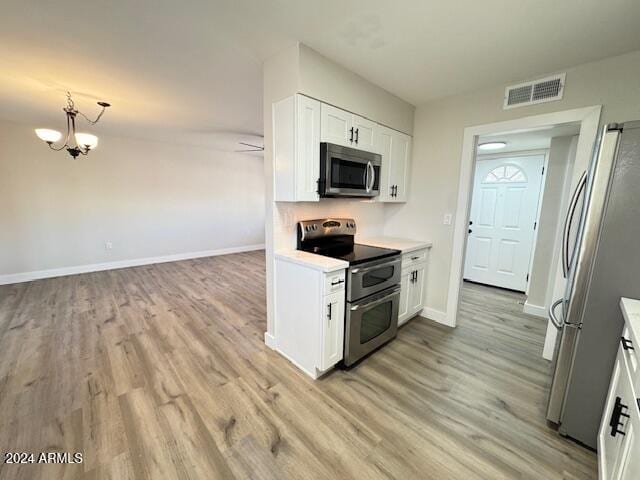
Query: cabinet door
[336,125]
[332,330]
[383,145]
[307,149]
[417,289]
[618,452]
[631,462]
[401,155]
[627,459]
[405,294]
[364,134]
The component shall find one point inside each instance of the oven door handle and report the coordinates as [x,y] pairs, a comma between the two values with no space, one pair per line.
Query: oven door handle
[376,301]
[374,267]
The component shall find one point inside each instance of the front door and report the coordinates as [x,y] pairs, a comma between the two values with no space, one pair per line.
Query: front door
[501,225]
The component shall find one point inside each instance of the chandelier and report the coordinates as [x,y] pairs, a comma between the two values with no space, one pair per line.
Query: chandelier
[76,143]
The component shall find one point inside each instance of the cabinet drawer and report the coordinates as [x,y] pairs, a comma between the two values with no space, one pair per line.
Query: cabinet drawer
[334,282]
[413,258]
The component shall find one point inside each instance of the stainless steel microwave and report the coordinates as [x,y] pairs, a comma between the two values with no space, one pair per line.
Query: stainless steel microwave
[347,172]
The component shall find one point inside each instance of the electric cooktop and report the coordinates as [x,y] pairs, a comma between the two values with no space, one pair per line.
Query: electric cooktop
[334,237]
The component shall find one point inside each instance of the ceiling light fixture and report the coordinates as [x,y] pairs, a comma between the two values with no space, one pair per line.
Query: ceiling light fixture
[492,145]
[76,143]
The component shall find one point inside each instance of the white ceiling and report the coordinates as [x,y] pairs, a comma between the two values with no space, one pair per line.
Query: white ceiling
[193,68]
[530,140]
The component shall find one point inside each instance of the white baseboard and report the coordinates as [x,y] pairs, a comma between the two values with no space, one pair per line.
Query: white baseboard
[270,340]
[98,267]
[536,310]
[436,315]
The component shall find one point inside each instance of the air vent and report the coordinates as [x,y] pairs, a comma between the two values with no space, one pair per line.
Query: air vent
[530,93]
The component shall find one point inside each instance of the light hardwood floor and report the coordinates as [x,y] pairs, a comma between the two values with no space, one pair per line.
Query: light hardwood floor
[161,372]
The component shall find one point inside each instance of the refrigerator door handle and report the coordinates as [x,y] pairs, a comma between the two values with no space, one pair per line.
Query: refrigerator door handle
[552,314]
[569,221]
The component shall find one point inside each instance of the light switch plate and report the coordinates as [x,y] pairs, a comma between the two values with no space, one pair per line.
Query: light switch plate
[447,219]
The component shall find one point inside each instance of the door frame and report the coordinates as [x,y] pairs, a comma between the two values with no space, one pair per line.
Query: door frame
[589,118]
[539,152]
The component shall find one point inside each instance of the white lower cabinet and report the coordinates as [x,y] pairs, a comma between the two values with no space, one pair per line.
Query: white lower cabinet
[332,330]
[412,287]
[618,438]
[405,293]
[309,316]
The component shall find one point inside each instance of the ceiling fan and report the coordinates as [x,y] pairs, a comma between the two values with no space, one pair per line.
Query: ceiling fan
[252,148]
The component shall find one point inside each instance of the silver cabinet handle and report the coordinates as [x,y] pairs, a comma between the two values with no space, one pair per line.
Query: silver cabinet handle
[569,220]
[552,314]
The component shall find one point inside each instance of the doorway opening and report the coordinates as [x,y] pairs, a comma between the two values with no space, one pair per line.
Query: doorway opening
[515,199]
[507,188]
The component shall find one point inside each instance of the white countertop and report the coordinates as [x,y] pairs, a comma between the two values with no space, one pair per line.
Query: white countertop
[311,260]
[631,311]
[402,244]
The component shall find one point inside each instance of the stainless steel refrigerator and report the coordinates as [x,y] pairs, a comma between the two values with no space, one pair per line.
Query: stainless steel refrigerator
[601,265]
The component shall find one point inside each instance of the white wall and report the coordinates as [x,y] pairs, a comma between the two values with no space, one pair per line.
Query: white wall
[437,148]
[148,199]
[329,82]
[562,153]
[302,70]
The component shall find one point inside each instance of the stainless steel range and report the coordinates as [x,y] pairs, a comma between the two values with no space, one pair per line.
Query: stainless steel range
[373,283]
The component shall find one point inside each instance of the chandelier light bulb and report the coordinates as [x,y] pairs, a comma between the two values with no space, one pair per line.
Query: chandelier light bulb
[86,140]
[48,135]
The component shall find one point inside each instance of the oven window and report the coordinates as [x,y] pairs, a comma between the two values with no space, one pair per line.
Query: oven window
[377,276]
[347,174]
[375,321]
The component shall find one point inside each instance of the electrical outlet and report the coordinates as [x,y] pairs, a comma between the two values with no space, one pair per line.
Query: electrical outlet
[447,219]
[108,245]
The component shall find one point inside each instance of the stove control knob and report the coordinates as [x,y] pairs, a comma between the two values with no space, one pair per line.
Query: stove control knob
[308,228]
[315,226]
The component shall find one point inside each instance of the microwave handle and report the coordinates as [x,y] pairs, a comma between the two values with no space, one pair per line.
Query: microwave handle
[372,177]
[369,177]
[365,178]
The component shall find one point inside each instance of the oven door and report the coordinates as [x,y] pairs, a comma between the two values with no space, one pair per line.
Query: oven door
[373,277]
[370,323]
[345,172]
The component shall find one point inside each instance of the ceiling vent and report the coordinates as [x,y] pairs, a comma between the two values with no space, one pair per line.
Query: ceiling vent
[544,90]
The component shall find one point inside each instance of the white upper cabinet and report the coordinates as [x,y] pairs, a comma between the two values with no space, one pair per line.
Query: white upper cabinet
[364,134]
[395,148]
[296,149]
[400,158]
[300,123]
[347,129]
[336,126]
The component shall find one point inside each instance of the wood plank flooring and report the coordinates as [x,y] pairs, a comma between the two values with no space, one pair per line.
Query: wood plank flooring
[160,372]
